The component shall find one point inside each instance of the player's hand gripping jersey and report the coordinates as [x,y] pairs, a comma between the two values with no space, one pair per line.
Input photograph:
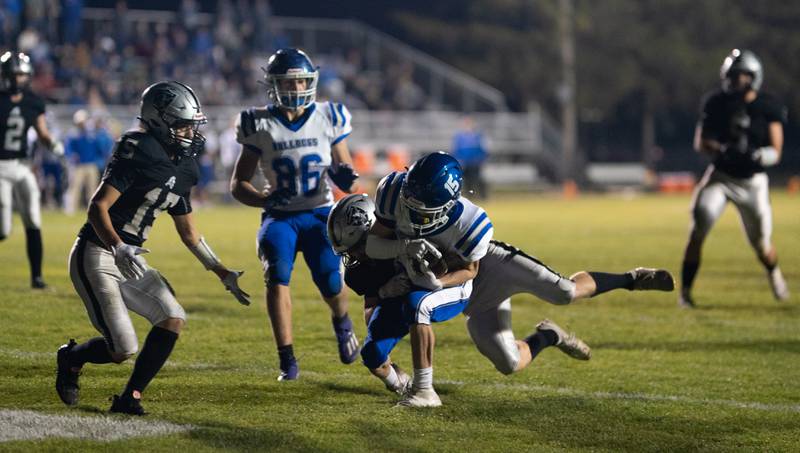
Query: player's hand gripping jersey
[149,182]
[295,155]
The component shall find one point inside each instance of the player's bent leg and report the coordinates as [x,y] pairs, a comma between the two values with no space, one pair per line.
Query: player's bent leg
[326,272]
[6,204]
[491,332]
[28,196]
[756,216]
[277,241]
[153,298]
[385,329]
[549,333]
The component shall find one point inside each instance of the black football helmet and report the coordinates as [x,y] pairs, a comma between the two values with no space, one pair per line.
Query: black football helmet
[11,66]
[168,107]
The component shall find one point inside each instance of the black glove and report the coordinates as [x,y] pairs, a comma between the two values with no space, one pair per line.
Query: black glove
[343,176]
[277,198]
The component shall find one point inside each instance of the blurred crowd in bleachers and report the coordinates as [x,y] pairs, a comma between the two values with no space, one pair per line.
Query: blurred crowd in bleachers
[96,59]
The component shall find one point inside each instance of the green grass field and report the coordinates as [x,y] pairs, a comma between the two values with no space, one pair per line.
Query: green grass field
[724,377]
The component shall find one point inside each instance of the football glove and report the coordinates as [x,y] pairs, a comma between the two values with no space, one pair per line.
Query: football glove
[343,176]
[127,259]
[57,148]
[277,198]
[231,282]
[766,156]
[397,286]
[420,249]
[424,277]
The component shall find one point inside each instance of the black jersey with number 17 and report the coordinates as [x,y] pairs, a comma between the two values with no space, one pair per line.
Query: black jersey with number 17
[149,182]
[15,120]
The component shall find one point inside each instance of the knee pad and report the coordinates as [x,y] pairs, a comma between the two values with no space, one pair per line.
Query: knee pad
[330,283]
[372,356]
[566,293]
[506,365]
[126,348]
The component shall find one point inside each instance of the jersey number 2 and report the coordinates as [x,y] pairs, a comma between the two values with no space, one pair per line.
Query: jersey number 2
[14,127]
[287,174]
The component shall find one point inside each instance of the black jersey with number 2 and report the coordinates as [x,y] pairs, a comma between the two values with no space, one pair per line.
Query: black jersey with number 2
[15,120]
[149,182]
[742,126]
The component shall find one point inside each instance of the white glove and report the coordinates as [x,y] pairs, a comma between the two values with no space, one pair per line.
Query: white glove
[766,156]
[57,148]
[231,282]
[422,276]
[399,285]
[418,249]
[127,259]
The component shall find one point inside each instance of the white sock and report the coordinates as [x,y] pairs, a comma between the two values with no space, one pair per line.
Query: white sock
[423,378]
[392,381]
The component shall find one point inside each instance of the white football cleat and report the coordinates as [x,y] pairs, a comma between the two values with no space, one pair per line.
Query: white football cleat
[404,385]
[420,398]
[778,285]
[567,342]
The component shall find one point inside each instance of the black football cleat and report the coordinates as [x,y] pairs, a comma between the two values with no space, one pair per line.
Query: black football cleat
[66,380]
[646,279]
[126,404]
[38,283]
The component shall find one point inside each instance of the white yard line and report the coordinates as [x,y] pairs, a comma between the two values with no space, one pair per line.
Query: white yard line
[30,425]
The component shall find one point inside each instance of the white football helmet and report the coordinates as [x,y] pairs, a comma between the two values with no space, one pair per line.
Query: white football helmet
[348,224]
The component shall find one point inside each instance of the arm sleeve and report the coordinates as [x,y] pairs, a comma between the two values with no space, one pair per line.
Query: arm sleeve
[386,198]
[122,168]
[776,112]
[473,245]
[710,119]
[341,122]
[183,207]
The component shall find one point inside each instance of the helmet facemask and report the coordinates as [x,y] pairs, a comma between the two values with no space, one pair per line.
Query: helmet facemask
[12,67]
[292,99]
[423,220]
[172,113]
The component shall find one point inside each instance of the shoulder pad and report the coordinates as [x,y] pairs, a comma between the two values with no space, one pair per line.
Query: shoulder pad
[139,145]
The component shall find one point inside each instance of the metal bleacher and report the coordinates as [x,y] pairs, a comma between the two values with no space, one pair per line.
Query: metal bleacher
[518,142]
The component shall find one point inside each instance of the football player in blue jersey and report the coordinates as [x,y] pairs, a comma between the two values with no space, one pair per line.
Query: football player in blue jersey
[152,170]
[301,146]
[504,271]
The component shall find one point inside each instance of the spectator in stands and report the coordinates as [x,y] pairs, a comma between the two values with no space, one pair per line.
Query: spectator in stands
[81,153]
[470,151]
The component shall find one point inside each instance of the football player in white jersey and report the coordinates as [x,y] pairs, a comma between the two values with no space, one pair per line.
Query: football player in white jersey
[419,213]
[300,145]
[504,271]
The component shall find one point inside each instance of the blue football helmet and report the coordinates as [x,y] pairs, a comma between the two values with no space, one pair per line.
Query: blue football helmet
[290,64]
[429,192]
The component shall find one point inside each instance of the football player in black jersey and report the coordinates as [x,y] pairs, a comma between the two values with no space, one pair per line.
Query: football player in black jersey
[152,170]
[741,130]
[20,110]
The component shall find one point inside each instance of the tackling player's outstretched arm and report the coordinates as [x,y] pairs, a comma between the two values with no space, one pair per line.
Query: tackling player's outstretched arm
[457,277]
[241,187]
[184,225]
